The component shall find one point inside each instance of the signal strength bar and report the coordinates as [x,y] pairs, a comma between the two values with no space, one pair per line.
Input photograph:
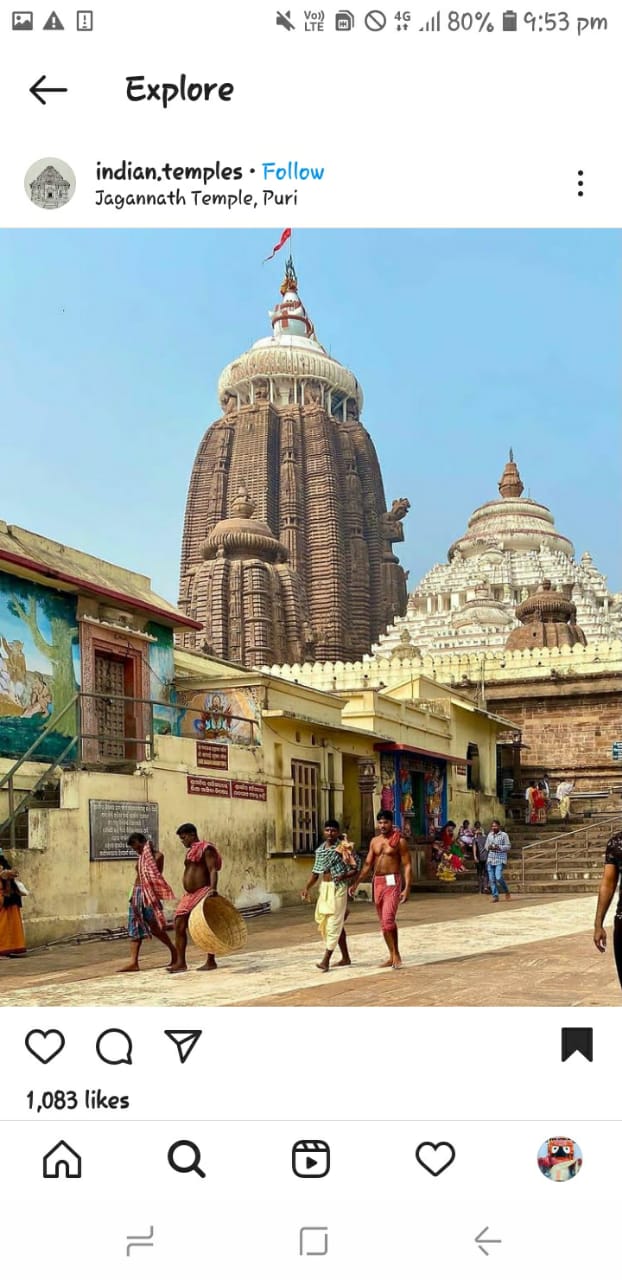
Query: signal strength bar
[434,24]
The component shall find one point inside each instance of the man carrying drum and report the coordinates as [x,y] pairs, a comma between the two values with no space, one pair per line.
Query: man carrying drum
[201,867]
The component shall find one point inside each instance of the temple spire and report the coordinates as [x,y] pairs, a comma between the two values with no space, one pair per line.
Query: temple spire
[510,484]
[289,317]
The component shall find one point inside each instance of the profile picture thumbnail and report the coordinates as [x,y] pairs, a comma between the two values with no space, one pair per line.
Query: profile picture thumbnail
[50,183]
[560,1159]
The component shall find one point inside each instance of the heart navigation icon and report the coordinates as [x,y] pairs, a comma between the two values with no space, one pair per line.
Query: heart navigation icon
[435,1157]
[45,1045]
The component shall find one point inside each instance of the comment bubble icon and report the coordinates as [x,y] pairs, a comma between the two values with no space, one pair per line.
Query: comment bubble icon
[114,1047]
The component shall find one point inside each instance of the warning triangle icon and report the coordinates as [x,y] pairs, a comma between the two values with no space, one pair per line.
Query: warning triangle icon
[184,1042]
[53,23]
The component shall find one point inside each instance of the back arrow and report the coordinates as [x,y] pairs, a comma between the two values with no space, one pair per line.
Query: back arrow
[36,90]
[481,1237]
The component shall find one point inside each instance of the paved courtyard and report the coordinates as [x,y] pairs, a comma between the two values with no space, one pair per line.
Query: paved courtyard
[457,950]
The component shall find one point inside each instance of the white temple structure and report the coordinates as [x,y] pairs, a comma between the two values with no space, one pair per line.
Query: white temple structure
[510,546]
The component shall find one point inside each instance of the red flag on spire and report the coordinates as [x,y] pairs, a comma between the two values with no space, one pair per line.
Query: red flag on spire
[286,235]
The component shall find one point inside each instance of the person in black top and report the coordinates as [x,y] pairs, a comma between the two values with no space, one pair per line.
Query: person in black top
[611,877]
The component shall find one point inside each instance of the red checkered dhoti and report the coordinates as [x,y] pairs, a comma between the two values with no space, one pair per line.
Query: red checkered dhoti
[190,901]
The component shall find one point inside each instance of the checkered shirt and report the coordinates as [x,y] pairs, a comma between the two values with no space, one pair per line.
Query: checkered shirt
[497,848]
[328,859]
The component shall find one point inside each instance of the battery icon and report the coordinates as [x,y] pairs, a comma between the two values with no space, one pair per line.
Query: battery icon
[509,20]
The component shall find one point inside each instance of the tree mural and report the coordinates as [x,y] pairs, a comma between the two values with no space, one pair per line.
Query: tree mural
[60,614]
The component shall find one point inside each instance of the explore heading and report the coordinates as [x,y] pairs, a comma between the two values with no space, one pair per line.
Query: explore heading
[140,90]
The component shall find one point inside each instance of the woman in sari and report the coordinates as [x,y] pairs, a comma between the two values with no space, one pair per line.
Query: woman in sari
[12,937]
[531,804]
[539,802]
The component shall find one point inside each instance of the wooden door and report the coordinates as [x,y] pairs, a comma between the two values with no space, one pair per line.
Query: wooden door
[110,680]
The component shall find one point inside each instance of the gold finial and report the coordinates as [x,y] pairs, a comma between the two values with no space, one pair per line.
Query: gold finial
[290,283]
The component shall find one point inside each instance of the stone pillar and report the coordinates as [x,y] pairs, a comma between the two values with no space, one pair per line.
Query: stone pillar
[367,787]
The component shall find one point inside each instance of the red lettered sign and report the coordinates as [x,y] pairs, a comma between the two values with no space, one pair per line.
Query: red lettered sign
[249,791]
[208,786]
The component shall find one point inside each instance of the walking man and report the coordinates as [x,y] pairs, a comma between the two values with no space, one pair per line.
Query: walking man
[390,864]
[497,847]
[145,914]
[563,793]
[334,874]
[608,885]
[201,867]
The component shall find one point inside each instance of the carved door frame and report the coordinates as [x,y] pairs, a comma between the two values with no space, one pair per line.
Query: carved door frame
[134,653]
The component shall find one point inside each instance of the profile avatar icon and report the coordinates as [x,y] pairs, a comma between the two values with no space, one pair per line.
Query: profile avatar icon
[560,1159]
[50,183]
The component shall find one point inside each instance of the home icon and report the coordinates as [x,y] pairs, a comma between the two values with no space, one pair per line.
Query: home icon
[62,1162]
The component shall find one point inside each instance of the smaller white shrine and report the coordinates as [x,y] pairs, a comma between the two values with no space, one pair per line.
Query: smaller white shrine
[510,546]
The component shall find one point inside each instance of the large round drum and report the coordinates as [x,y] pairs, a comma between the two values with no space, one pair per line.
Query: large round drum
[216,927]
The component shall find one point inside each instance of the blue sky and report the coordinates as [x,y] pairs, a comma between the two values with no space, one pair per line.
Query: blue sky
[465,342]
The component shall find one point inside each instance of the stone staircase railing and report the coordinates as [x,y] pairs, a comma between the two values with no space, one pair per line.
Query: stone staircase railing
[554,850]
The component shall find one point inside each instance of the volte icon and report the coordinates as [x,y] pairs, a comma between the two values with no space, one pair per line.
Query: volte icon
[184,1041]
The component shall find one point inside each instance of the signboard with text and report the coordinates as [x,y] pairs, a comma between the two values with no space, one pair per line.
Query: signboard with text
[212,755]
[249,791]
[112,821]
[616,751]
[209,787]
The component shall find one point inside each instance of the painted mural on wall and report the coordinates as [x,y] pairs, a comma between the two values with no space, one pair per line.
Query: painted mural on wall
[397,790]
[387,780]
[228,715]
[169,713]
[39,667]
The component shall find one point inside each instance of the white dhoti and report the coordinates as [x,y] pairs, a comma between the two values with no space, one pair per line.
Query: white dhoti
[564,806]
[330,912]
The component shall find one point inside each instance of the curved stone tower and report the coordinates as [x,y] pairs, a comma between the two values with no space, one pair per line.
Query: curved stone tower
[290,433]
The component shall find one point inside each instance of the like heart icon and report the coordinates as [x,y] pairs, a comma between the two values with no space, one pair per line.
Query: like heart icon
[435,1156]
[45,1045]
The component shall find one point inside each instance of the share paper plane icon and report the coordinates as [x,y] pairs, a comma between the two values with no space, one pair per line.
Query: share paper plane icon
[184,1042]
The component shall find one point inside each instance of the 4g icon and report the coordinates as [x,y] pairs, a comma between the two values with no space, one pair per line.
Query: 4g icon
[402,19]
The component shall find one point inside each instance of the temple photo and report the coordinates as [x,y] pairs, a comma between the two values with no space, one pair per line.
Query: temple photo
[310,685]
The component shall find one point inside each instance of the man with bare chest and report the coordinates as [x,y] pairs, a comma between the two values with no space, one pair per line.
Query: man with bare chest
[389,862]
[201,867]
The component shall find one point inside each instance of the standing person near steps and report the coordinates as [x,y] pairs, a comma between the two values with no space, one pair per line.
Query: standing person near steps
[611,879]
[201,867]
[334,874]
[497,847]
[480,856]
[388,860]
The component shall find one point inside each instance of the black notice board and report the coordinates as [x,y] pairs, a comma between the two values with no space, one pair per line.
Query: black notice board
[112,821]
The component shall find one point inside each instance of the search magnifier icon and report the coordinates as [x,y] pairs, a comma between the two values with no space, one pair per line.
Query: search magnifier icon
[190,1161]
